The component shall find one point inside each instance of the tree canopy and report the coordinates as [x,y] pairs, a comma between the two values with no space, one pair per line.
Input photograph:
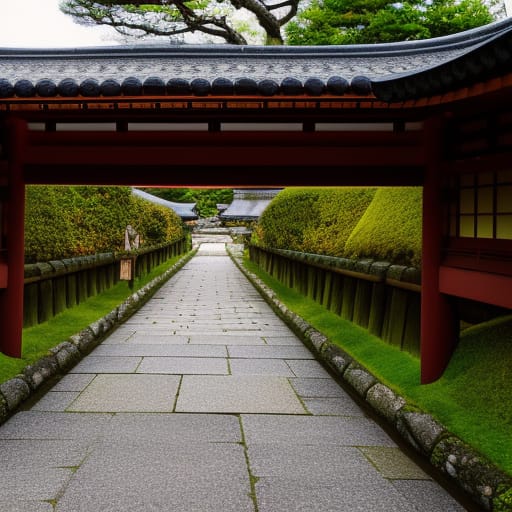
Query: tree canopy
[206,199]
[173,18]
[320,22]
[378,21]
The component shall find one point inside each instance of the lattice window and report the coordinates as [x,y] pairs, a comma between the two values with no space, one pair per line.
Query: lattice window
[482,206]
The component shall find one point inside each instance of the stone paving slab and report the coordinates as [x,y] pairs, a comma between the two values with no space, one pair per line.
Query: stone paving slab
[275,367]
[145,338]
[331,496]
[427,496]
[310,369]
[161,350]
[175,429]
[32,453]
[316,388]
[54,425]
[184,366]
[308,462]
[349,483]
[393,464]
[148,476]
[205,334]
[55,401]
[270,352]
[237,394]
[23,505]
[120,335]
[283,340]
[225,339]
[313,430]
[33,483]
[128,393]
[73,382]
[343,406]
[93,364]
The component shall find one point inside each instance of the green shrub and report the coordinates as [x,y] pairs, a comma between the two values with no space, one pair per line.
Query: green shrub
[61,222]
[48,228]
[317,220]
[156,223]
[390,229]
[383,224]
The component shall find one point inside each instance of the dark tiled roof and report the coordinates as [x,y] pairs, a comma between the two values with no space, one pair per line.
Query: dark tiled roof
[393,71]
[183,210]
[248,204]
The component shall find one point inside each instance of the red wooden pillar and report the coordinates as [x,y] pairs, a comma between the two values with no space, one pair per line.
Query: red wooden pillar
[11,298]
[438,334]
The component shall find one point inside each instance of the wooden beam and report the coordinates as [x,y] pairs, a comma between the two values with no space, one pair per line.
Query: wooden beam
[480,286]
[224,158]
[149,175]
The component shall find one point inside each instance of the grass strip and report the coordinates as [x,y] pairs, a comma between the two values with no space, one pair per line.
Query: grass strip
[37,340]
[473,397]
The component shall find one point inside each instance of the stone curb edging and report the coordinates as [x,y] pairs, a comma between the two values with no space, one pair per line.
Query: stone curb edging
[487,485]
[65,355]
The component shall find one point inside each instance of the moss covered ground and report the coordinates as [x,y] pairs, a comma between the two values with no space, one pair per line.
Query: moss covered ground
[473,397]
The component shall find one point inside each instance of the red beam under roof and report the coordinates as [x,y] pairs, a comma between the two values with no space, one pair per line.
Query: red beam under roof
[478,286]
[224,158]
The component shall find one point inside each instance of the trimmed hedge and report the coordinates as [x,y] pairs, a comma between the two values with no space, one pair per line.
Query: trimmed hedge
[390,229]
[316,220]
[383,224]
[63,222]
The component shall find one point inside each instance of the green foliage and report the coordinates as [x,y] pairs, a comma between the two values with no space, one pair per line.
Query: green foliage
[47,230]
[390,229]
[62,222]
[503,502]
[317,220]
[206,199]
[379,21]
[155,223]
[383,224]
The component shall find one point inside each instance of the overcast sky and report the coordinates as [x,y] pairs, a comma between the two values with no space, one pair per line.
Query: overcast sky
[40,23]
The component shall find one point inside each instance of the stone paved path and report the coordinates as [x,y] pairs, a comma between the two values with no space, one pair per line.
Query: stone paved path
[205,401]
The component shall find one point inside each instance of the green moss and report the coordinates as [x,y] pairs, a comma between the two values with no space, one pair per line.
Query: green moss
[383,224]
[503,501]
[390,229]
[316,220]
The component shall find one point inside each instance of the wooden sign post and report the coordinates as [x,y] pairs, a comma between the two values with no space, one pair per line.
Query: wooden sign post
[127,270]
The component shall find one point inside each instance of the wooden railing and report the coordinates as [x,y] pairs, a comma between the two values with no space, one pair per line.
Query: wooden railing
[383,298]
[53,286]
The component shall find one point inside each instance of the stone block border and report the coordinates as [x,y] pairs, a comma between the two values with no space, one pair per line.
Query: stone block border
[486,484]
[66,354]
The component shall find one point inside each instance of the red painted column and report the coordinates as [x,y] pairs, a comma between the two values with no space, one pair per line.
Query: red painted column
[438,333]
[11,298]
